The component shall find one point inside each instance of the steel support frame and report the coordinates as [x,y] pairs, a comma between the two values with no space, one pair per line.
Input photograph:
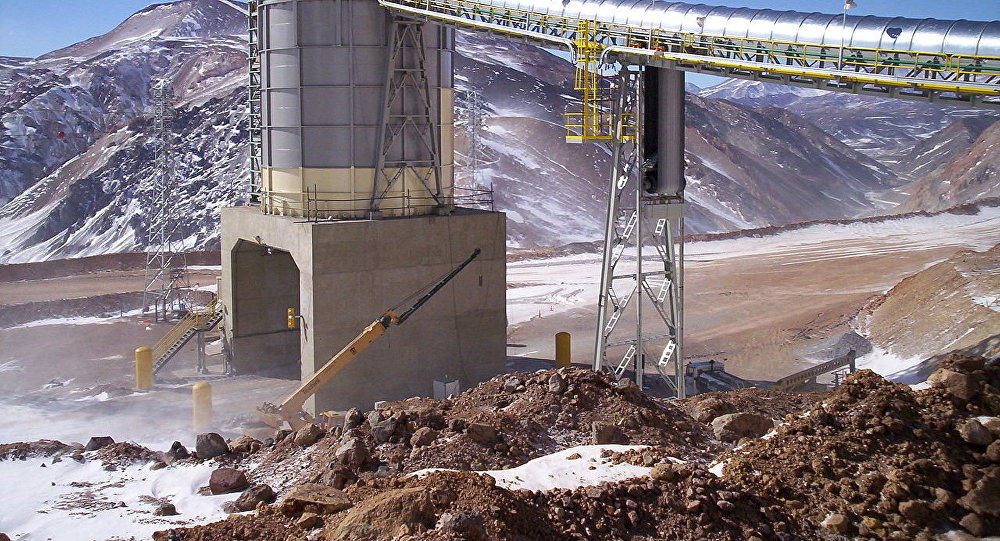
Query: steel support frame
[254,115]
[475,124]
[406,116]
[166,265]
[652,227]
[696,52]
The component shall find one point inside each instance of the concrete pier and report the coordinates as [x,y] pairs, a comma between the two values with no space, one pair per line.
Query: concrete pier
[340,276]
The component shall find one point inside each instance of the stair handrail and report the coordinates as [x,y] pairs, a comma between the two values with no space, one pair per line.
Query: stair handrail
[193,319]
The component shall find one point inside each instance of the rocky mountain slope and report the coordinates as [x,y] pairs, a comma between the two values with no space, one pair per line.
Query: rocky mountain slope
[881,128]
[76,147]
[953,305]
[972,173]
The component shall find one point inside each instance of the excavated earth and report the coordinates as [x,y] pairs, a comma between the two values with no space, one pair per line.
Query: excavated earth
[870,460]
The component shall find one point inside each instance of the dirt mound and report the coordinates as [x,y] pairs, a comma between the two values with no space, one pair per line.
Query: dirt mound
[267,525]
[877,459]
[40,448]
[499,424]
[773,404]
[123,454]
[679,502]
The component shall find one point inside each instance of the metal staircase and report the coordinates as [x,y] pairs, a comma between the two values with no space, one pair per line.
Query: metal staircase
[194,322]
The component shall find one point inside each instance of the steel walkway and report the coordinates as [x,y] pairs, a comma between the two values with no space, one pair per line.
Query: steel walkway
[948,61]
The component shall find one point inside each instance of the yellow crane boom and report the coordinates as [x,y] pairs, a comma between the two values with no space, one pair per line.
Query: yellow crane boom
[290,411]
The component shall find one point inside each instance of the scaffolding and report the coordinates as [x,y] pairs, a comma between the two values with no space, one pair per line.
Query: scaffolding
[166,275]
[593,122]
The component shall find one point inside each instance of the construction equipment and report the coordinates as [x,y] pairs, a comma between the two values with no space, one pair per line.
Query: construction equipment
[290,411]
[788,383]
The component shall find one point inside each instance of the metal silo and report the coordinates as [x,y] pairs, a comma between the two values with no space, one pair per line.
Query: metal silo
[328,123]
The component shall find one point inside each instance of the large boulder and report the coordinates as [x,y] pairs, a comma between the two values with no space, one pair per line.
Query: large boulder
[307,435]
[481,433]
[974,433]
[557,383]
[984,498]
[246,445]
[225,480]
[98,442]
[733,426]
[709,408]
[352,453]
[322,498]
[253,496]
[383,431]
[604,433]
[423,436]
[961,385]
[353,419]
[387,514]
[177,452]
[210,445]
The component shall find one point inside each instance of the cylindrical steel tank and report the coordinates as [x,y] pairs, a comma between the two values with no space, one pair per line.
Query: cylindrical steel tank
[324,69]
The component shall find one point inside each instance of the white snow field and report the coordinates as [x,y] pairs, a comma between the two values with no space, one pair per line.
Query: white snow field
[70,501]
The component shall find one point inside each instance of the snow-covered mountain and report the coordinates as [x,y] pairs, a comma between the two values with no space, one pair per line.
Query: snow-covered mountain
[757,93]
[882,128]
[76,143]
[973,173]
[747,167]
[76,151]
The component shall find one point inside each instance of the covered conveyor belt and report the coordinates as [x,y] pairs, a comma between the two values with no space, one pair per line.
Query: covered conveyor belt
[923,59]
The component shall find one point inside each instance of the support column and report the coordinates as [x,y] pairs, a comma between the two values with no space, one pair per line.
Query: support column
[652,220]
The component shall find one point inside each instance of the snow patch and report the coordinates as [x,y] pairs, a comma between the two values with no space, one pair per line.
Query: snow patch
[556,470]
[67,501]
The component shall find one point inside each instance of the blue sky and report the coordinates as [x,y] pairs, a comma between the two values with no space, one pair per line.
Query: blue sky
[35,27]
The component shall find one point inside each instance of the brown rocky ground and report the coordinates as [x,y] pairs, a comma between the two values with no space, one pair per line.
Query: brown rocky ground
[935,306]
[499,424]
[871,460]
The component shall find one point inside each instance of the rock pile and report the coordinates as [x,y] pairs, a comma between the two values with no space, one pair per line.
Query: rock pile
[499,424]
[878,460]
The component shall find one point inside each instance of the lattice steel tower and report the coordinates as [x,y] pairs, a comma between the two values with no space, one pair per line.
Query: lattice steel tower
[474,127]
[166,265]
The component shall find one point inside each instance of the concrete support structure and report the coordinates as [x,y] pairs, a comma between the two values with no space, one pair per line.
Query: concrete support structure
[341,275]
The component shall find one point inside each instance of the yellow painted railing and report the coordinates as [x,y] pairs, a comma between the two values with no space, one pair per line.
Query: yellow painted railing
[919,70]
[193,320]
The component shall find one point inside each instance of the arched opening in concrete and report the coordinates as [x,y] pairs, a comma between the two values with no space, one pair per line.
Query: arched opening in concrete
[265,285]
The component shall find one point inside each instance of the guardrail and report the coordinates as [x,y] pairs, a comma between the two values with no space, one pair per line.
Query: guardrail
[927,72]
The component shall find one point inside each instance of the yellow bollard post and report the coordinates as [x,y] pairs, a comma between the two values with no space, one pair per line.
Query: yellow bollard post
[143,368]
[201,394]
[562,349]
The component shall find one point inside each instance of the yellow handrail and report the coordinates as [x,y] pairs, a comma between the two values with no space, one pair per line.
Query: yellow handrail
[193,319]
[860,64]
